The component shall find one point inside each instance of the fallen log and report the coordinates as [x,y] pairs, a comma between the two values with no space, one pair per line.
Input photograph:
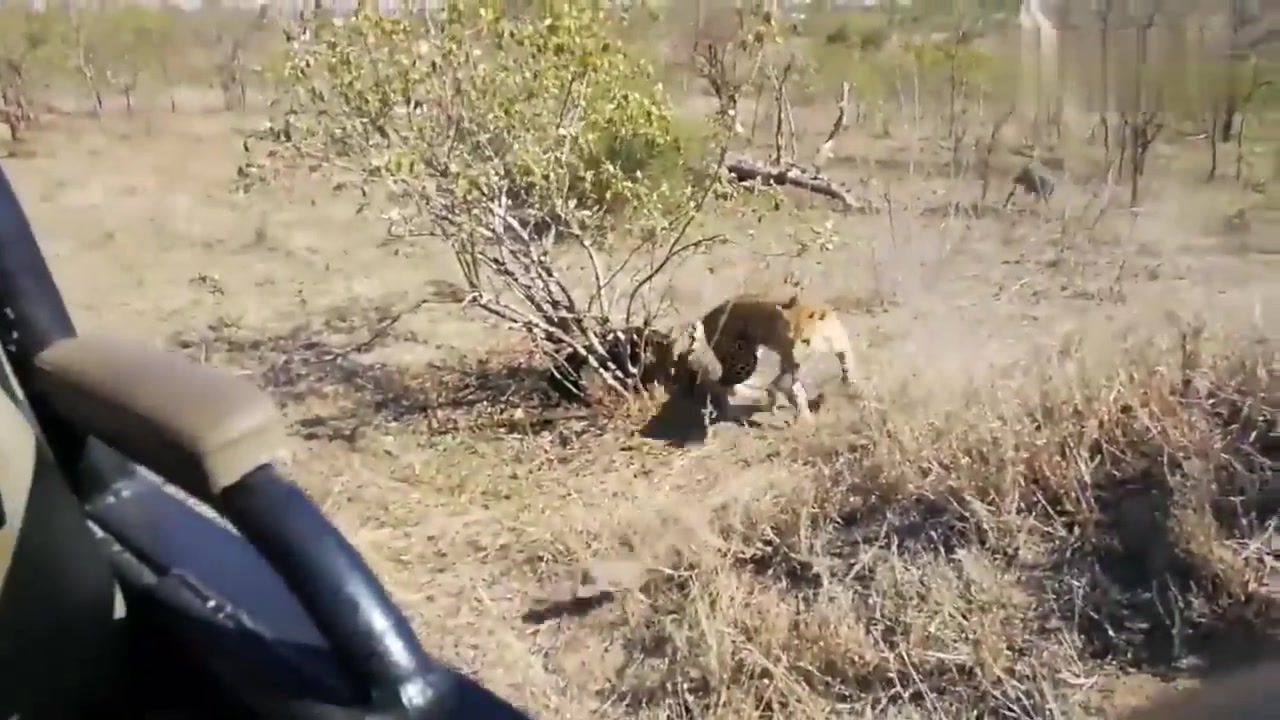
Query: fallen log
[746,170]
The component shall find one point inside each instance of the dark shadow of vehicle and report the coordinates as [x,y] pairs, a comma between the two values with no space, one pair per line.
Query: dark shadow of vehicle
[1250,694]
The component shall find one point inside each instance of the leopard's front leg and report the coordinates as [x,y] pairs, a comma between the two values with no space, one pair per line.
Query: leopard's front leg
[788,384]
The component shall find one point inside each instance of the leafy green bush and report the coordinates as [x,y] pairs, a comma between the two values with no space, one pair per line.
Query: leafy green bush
[501,134]
[547,104]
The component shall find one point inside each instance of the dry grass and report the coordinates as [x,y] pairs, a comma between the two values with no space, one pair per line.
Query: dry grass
[1056,483]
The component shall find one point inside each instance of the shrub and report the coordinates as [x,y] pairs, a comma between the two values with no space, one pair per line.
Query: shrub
[501,135]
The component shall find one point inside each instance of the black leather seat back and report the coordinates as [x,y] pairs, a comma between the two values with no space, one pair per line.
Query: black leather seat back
[58,597]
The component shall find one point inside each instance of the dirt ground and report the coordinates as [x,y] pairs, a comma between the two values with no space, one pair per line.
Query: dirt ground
[474,523]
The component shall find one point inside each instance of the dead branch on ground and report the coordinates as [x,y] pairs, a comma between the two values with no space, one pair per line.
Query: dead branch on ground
[784,171]
[747,170]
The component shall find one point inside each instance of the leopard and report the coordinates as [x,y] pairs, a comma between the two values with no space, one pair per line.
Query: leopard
[738,327]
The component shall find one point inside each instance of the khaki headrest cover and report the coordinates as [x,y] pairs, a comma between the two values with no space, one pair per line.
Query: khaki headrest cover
[198,427]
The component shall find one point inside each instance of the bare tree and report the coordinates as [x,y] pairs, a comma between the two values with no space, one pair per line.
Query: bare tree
[85,60]
[232,37]
[13,99]
[1241,85]
[1141,121]
[1103,14]
[728,66]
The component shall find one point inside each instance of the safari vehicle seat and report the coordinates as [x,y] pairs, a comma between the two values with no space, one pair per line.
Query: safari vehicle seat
[279,620]
[129,473]
[60,640]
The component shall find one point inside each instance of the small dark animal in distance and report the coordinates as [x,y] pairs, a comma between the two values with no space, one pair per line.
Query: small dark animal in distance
[1032,179]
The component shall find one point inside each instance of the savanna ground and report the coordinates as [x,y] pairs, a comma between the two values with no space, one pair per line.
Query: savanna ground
[1050,495]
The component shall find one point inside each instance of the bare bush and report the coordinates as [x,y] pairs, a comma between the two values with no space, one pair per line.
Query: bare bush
[29,47]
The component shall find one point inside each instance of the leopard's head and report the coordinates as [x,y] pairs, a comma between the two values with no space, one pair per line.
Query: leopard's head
[805,322]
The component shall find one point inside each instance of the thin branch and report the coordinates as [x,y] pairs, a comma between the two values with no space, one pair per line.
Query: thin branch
[712,181]
[837,127]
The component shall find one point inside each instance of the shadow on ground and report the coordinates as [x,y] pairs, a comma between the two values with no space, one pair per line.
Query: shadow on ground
[321,373]
[685,421]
